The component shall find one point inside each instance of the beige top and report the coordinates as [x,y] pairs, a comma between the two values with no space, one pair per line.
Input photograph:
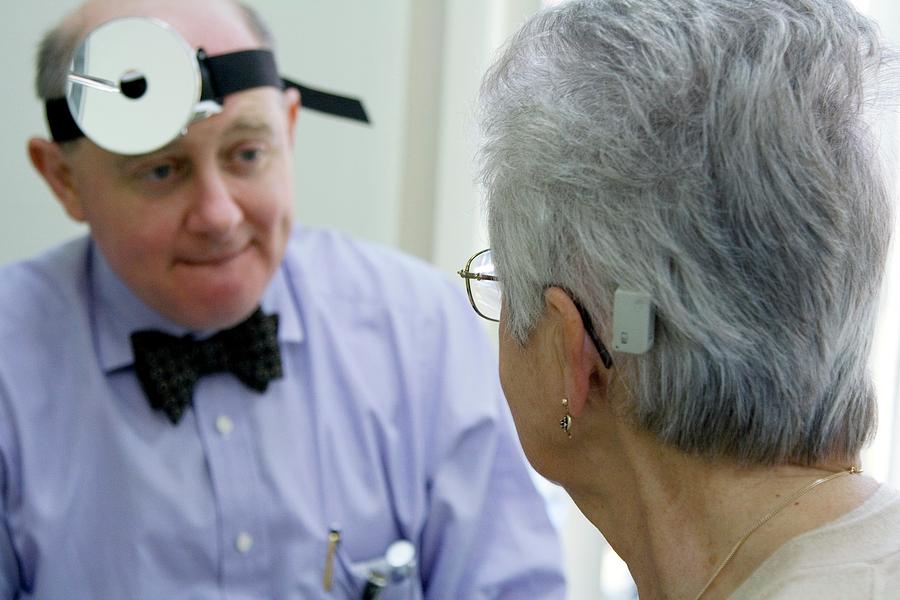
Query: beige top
[854,557]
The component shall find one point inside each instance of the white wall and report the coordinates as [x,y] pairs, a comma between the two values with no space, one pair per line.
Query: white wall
[348,175]
[29,219]
[882,458]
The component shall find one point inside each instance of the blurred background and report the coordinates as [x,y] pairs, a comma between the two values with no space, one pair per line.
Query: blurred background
[407,180]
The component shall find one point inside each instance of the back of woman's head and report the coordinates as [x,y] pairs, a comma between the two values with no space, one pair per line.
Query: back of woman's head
[714,154]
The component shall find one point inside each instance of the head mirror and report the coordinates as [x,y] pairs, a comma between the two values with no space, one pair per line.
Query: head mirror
[134,84]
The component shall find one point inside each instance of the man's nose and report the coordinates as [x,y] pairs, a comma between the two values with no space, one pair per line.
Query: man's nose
[214,210]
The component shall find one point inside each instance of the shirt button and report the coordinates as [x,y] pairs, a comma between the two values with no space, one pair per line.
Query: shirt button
[243,542]
[224,425]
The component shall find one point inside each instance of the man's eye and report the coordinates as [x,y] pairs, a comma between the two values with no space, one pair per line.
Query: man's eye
[247,159]
[249,154]
[161,172]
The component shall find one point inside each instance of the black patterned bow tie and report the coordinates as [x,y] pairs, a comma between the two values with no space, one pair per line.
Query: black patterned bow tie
[168,367]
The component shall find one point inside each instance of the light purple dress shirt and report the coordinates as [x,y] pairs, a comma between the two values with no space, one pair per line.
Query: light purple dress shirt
[389,423]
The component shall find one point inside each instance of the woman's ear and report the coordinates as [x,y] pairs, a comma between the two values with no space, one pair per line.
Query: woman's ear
[51,162]
[581,360]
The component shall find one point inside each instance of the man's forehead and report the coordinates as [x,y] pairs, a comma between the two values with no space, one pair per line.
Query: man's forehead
[258,109]
[217,26]
[251,112]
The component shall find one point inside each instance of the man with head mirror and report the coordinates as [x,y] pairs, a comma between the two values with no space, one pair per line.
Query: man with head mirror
[200,400]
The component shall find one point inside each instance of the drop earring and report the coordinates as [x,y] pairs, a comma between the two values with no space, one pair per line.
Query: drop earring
[566,422]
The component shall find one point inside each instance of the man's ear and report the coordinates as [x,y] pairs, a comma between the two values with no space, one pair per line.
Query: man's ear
[50,161]
[581,360]
[292,107]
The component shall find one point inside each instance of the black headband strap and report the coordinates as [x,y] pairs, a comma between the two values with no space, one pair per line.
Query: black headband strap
[254,68]
[236,71]
[223,75]
[332,104]
[63,127]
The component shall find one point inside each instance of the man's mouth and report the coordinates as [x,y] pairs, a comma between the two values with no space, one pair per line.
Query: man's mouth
[214,259]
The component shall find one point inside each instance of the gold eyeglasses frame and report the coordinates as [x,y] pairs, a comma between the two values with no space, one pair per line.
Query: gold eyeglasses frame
[468,275]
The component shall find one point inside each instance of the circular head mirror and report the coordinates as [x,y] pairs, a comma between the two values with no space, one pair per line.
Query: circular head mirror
[133,85]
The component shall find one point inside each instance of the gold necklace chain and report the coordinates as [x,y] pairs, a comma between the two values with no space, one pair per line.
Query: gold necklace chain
[808,487]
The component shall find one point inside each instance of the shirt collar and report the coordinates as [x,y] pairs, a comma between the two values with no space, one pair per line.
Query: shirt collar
[118,312]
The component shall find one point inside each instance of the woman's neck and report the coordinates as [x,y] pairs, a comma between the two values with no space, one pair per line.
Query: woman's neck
[673,518]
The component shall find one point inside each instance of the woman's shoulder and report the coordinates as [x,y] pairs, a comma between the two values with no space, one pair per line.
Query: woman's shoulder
[854,556]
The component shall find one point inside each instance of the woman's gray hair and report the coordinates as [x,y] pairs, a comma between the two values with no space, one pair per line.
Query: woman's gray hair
[59,44]
[713,154]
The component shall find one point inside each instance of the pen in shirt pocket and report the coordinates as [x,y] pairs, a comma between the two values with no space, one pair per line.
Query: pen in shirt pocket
[334,538]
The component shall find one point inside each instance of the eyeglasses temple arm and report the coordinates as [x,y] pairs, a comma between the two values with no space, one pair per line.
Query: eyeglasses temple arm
[476,276]
[592,333]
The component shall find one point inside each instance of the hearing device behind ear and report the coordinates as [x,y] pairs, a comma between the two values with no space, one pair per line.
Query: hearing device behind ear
[633,322]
